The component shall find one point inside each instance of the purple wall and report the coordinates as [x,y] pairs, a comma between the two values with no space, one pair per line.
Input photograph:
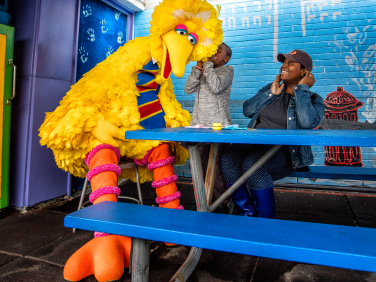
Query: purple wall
[45,58]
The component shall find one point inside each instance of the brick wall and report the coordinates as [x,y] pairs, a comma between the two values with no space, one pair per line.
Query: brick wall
[340,35]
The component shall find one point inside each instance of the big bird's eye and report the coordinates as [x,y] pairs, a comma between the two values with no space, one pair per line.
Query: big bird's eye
[181,29]
[192,38]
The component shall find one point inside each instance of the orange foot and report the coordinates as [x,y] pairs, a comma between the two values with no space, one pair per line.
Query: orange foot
[171,245]
[105,257]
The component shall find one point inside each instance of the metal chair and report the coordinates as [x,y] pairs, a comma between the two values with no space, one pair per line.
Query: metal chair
[122,166]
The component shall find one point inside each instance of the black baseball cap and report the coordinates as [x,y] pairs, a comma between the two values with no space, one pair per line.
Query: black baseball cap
[298,56]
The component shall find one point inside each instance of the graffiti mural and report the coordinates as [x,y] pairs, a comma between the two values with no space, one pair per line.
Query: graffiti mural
[256,13]
[312,8]
[344,106]
[360,57]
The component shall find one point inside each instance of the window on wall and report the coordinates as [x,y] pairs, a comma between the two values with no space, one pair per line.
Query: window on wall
[102,30]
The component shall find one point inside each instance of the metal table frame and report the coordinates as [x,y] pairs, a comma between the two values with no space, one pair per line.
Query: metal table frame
[204,190]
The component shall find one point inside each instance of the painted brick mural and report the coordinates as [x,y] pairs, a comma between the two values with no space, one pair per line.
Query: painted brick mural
[340,36]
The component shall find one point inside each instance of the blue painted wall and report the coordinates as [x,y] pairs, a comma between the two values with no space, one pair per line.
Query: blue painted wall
[340,35]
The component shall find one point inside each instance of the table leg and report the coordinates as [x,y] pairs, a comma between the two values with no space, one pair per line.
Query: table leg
[244,177]
[210,172]
[190,263]
[197,178]
[139,265]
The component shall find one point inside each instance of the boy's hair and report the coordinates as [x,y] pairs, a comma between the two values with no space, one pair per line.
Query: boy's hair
[228,50]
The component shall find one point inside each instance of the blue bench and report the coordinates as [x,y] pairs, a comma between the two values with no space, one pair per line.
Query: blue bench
[338,172]
[323,244]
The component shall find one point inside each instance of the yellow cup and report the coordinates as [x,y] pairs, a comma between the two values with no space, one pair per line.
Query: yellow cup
[217,126]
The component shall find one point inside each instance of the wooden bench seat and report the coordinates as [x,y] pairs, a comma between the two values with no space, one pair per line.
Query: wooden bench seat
[338,172]
[331,245]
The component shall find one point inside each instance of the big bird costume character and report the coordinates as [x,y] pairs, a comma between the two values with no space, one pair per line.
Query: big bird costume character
[130,90]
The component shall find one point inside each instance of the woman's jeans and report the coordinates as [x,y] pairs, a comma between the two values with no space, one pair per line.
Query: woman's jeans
[238,158]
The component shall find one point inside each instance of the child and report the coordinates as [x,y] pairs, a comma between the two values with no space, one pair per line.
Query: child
[212,83]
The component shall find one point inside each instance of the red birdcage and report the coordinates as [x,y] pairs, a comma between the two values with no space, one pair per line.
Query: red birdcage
[342,105]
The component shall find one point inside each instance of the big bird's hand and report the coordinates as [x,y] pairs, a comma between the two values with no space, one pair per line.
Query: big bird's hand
[105,257]
[171,123]
[106,132]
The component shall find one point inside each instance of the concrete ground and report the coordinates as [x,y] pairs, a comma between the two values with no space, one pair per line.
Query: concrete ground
[34,246]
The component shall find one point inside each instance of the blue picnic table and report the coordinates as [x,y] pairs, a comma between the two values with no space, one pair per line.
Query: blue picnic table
[358,138]
[331,245]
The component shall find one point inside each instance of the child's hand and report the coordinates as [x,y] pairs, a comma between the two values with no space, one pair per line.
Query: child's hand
[200,64]
[276,88]
[212,59]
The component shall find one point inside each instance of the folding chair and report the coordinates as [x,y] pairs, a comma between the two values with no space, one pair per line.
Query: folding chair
[122,166]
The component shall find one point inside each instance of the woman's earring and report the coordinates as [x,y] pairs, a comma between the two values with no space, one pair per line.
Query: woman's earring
[302,75]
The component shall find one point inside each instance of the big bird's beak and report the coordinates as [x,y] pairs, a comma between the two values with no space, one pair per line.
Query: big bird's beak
[176,51]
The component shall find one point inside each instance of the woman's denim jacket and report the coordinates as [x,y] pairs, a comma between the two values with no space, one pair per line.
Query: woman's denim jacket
[306,110]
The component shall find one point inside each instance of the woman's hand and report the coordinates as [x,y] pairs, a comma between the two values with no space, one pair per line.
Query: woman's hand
[276,87]
[308,79]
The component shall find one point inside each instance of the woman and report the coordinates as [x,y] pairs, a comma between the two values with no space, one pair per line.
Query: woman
[289,105]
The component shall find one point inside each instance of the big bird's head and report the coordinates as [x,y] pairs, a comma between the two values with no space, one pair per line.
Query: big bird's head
[183,31]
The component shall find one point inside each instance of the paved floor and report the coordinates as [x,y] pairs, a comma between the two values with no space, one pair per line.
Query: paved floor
[34,246]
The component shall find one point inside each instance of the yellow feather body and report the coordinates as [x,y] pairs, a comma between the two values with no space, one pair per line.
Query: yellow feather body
[109,91]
